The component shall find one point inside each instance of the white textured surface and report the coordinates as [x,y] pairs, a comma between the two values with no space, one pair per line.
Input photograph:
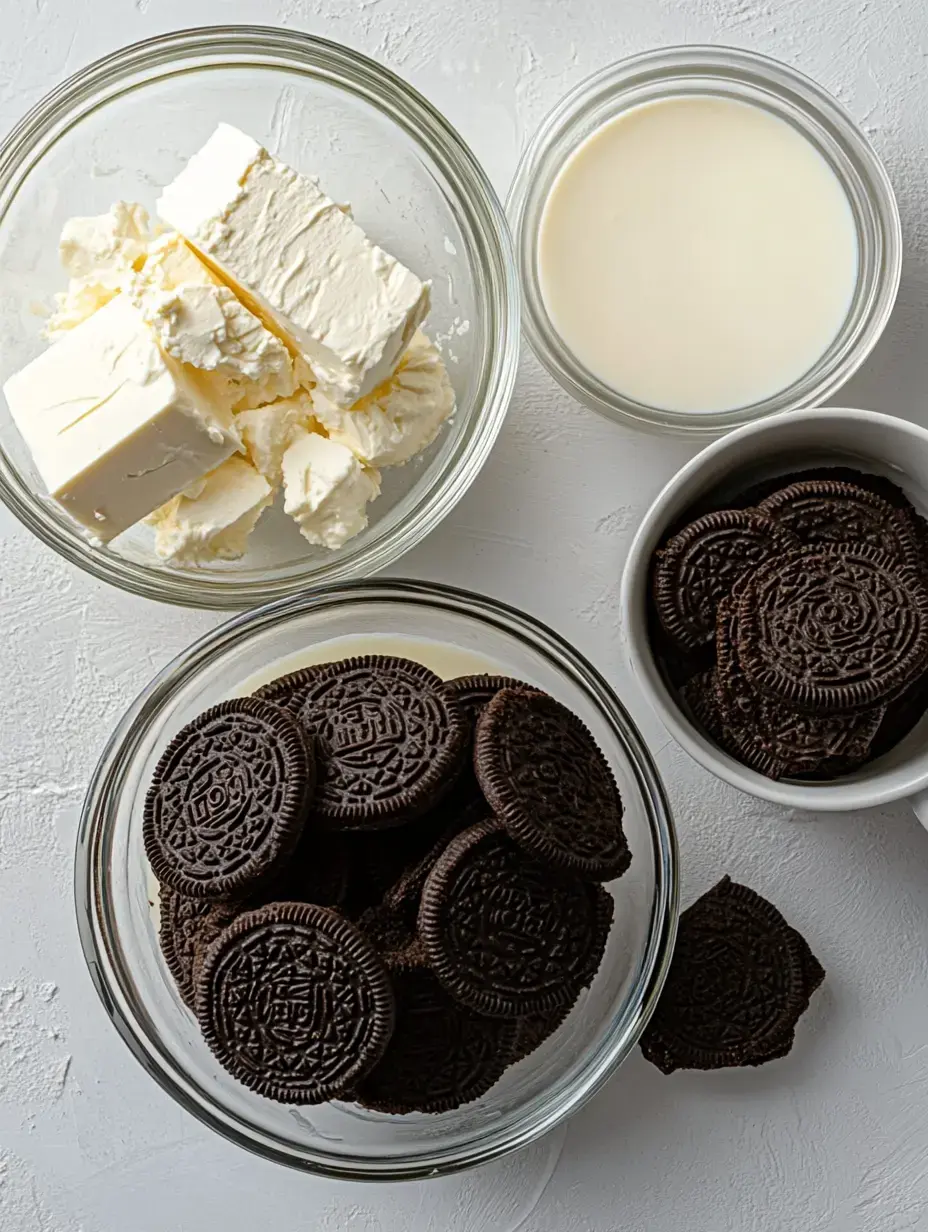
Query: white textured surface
[833,1137]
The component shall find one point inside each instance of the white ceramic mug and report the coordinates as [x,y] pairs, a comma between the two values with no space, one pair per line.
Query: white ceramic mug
[783,444]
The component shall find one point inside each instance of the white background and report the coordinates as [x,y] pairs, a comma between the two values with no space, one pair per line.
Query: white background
[834,1136]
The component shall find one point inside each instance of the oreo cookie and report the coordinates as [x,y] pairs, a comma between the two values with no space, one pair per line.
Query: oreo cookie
[506,935]
[830,511]
[549,784]
[473,694]
[295,1003]
[739,981]
[770,736]
[388,738]
[186,929]
[534,1029]
[441,1054]
[700,565]
[833,628]
[228,800]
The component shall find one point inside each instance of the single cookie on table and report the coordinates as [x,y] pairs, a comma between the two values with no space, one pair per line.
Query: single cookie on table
[829,511]
[228,800]
[506,935]
[295,1003]
[388,738]
[441,1054]
[767,734]
[550,786]
[833,628]
[700,564]
[739,981]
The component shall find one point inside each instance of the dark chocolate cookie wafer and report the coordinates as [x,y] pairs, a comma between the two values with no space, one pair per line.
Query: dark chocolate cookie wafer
[442,1054]
[771,736]
[828,511]
[295,1003]
[228,800]
[549,784]
[286,690]
[902,715]
[505,934]
[186,928]
[833,628]
[700,565]
[739,980]
[388,737]
[473,694]
[534,1029]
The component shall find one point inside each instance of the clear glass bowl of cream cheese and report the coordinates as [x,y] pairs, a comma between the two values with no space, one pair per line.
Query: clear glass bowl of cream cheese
[704,237]
[122,129]
[453,633]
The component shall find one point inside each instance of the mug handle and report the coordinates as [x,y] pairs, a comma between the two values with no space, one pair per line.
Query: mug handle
[919,803]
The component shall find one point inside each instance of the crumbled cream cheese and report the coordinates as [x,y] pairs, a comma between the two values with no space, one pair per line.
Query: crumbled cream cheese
[298,259]
[327,490]
[213,519]
[268,431]
[100,253]
[401,417]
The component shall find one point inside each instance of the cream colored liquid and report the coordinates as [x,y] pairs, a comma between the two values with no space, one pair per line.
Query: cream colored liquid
[697,254]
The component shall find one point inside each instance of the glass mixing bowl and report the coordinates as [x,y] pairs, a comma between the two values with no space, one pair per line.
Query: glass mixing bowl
[718,72]
[124,127]
[119,931]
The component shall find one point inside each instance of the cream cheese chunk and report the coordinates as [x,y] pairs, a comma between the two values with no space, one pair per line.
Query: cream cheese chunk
[401,417]
[202,324]
[100,254]
[267,432]
[115,426]
[213,519]
[295,256]
[327,490]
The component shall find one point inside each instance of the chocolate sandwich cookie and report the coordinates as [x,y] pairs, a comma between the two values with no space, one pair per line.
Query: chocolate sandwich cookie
[505,934]
[902,715]
[388,739]
[771,736]
[295,1003]
[186,929]
[828,511]
[534,1029]
[549,784]
[228,800]
[833,628]
[286,690]
[473,694]
[701,564]
[441,1055]
[739,981]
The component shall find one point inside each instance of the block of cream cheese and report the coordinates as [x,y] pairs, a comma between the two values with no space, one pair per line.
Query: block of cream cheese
[327,490]
[401,417]
[343,304]
[267,432]
[101,253]
[202,324]
[114,425]
[213,519]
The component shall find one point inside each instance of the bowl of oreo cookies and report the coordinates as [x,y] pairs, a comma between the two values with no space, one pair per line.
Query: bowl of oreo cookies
[776,601]
[379,882]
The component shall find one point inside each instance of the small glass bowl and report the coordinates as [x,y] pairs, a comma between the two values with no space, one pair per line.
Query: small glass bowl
[119,936]
[728,73]
[124,127]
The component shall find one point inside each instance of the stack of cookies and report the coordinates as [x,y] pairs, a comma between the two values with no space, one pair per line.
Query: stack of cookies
[382,887]
[795,625]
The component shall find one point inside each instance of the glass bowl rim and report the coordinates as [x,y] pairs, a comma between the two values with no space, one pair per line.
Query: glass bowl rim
[797,93]
[111,77]
[101,947]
